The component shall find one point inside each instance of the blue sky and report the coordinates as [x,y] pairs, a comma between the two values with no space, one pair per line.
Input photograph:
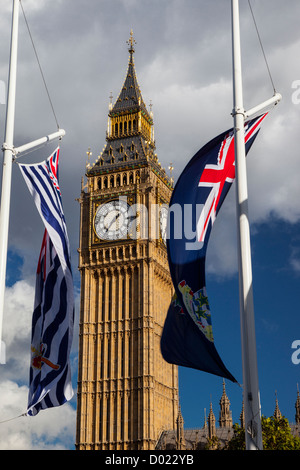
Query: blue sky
[183,64]
[276,296]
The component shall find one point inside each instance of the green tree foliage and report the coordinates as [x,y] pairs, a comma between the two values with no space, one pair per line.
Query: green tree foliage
[213,444]
[276,435]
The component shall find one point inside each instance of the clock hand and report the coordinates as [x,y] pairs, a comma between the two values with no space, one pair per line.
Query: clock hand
[113,221]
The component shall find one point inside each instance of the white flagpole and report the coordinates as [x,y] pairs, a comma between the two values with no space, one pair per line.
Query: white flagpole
[9,152]
[7,163]
[253,432]
[38,143]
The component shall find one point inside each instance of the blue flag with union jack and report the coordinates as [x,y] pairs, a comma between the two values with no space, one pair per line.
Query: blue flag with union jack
[53,317]
[187,338]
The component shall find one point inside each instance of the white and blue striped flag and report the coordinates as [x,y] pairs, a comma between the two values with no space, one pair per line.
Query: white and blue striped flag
[53,317]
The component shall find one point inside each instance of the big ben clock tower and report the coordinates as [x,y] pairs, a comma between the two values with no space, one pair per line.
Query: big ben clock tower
[127,393]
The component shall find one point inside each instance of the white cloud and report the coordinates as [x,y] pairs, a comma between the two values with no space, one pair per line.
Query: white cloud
[221,259]
[188,130]
[32,5]
[184,70]
[295,259]
[183,63]
[274,169]
[18,309]
[51,429]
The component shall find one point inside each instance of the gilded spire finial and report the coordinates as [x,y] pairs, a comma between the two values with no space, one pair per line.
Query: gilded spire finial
[110,101]
[151,106]
[131,41]
[171,168]
[89,153]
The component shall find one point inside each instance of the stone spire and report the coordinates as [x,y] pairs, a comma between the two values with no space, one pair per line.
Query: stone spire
[211,423]
[297,406]
[225,419]
[180,441]
[205,421]
[242,416]
[277,412]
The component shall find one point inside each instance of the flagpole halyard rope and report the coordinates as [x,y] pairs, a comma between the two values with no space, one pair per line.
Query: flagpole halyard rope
[262,48]
[11,419]
[39,64]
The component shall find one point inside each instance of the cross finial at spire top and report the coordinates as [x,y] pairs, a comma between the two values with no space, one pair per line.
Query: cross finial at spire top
[131,41]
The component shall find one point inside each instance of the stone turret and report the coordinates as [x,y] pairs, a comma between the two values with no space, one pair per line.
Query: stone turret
[180,440]
[277,412]
[297,406]
[211,423]
[242,416]
[225,419]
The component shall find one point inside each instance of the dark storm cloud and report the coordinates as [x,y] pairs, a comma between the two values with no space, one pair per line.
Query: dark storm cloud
[183,63]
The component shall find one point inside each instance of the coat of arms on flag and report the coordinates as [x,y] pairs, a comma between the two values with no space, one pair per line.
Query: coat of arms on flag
[53,317]
[187,338]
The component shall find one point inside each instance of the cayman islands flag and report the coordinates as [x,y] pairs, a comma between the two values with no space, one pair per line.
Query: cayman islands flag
[53,317]
[187,338]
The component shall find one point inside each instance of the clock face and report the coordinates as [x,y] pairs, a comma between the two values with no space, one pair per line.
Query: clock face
[111,220]
[163,223]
